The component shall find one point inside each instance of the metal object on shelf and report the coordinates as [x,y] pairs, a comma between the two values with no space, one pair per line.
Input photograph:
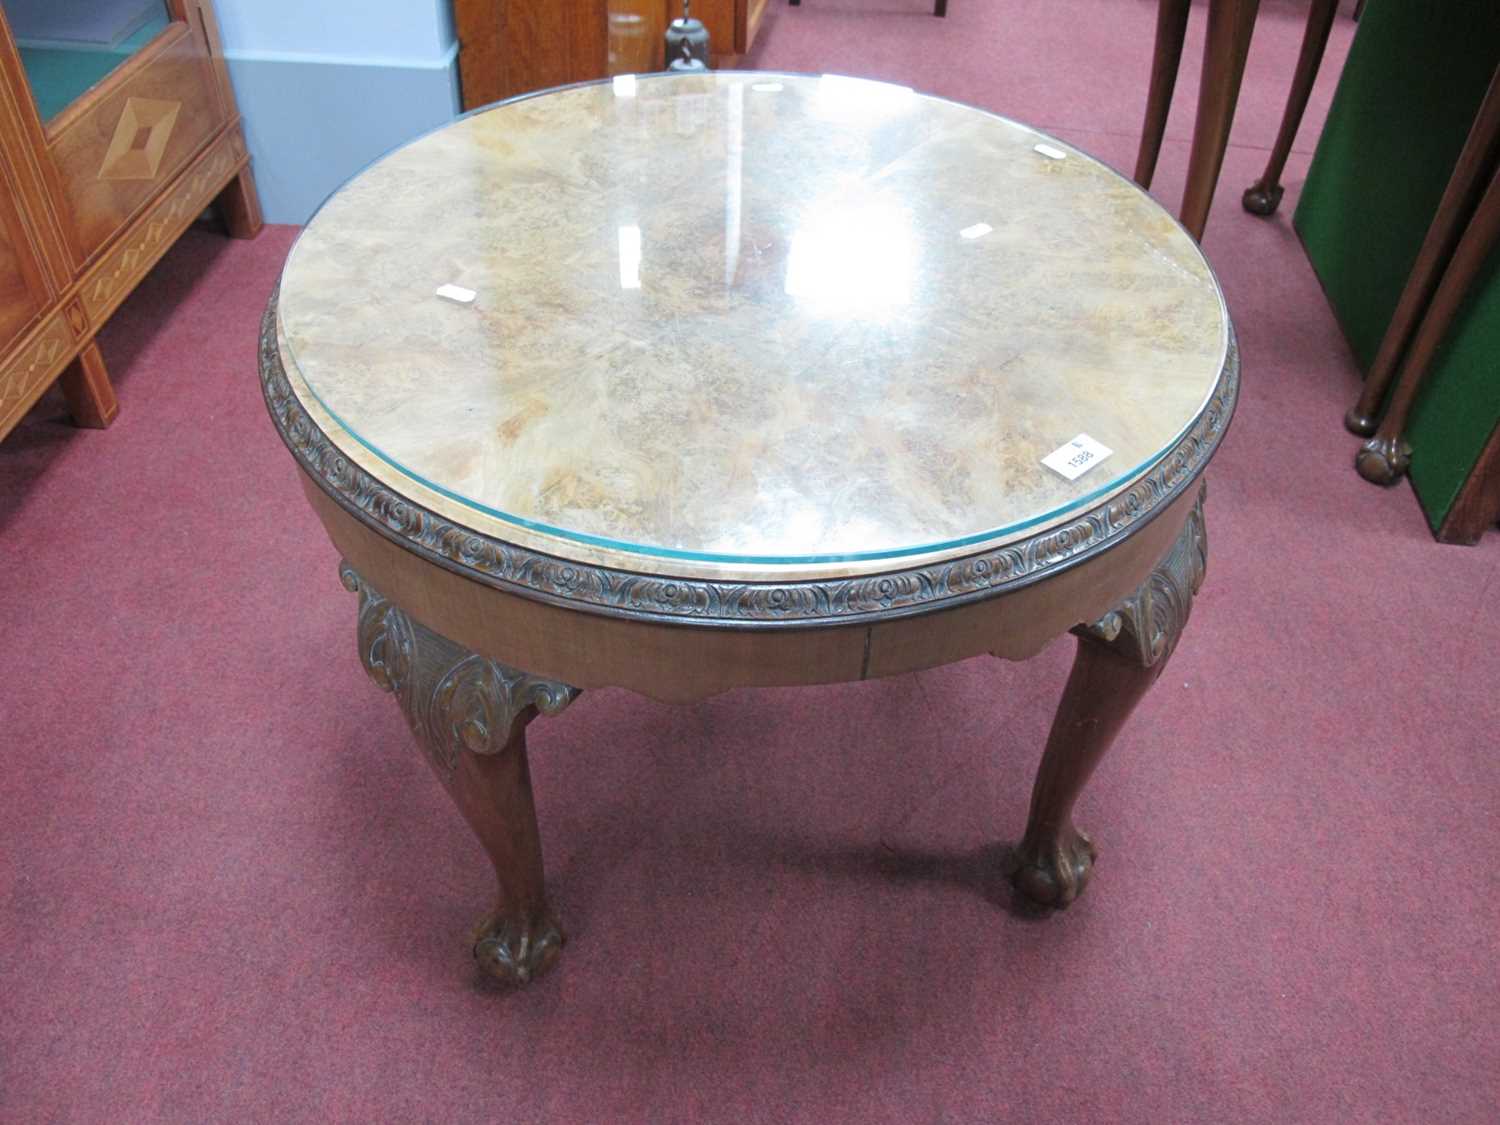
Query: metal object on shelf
[687,42]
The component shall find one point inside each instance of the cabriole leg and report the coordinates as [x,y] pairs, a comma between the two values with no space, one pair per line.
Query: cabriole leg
[1118,658]
[469,715]
[1263,196]
[1171,30]
[1230,24]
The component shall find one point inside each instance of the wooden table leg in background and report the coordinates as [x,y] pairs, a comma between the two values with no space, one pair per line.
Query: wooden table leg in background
[1476,162]
[1118,659]
[1171,28]
[469,714]
[1385,457]
[1230,24]
[1262,197]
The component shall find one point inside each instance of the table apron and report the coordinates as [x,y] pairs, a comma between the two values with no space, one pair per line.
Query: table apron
[681,662]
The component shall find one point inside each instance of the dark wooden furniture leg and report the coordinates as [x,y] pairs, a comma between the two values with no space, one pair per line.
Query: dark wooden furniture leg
[1171,28]
[1118,659]
[1477,507]
[1471,172]
[239,204]
[1263,196]
[1230,24]
[1386,456]
[85,384]
[469,715]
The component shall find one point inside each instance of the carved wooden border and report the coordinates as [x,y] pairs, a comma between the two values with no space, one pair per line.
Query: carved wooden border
[692,601]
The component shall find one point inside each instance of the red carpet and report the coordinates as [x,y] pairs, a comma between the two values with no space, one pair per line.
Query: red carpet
[230,890]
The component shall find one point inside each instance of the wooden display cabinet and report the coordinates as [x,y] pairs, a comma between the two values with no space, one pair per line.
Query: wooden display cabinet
[118,128]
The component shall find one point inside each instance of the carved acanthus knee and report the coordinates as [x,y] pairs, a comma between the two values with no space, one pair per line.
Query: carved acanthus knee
[1146,625]
[459,703]
[454,699]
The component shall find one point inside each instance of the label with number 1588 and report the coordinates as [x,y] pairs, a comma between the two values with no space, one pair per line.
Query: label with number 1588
[1077,457]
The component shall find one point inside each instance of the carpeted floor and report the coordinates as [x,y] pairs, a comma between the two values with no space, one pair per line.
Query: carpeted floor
[230,890]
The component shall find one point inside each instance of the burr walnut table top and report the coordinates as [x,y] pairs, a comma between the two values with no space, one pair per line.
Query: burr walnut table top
[746,327]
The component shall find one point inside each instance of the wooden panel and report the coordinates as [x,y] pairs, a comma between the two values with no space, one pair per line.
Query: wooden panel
[30,369]
[23,290]
[111,279]
[25,287]
[721,17]
[115,147]
[635,44]
[200,16]
[31,182]
[509,47]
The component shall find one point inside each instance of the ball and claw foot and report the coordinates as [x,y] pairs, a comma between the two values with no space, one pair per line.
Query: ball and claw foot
[1261,198]
[1053,872]
[1383,460]
[1360,424]
[513,952]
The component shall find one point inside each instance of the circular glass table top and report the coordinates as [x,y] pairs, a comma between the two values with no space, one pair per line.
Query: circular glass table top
[749,320]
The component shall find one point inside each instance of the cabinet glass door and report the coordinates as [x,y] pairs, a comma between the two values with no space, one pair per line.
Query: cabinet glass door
[67,46]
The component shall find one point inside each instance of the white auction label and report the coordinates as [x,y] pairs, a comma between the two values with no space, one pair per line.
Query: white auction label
[1077,457]
[1050,150]
[457,294]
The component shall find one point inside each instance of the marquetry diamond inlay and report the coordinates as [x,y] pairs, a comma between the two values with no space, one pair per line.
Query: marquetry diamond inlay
[140,139]
[20,378]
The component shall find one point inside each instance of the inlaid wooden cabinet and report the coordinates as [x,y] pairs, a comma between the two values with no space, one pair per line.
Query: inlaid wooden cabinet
[118,128]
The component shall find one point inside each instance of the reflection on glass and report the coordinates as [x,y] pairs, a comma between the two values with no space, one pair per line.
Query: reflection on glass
[734,180]
[853,257]
[69,45]
[630,257]
[860,100]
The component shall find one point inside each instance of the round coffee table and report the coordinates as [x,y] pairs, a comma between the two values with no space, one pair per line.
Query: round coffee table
[749,379]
